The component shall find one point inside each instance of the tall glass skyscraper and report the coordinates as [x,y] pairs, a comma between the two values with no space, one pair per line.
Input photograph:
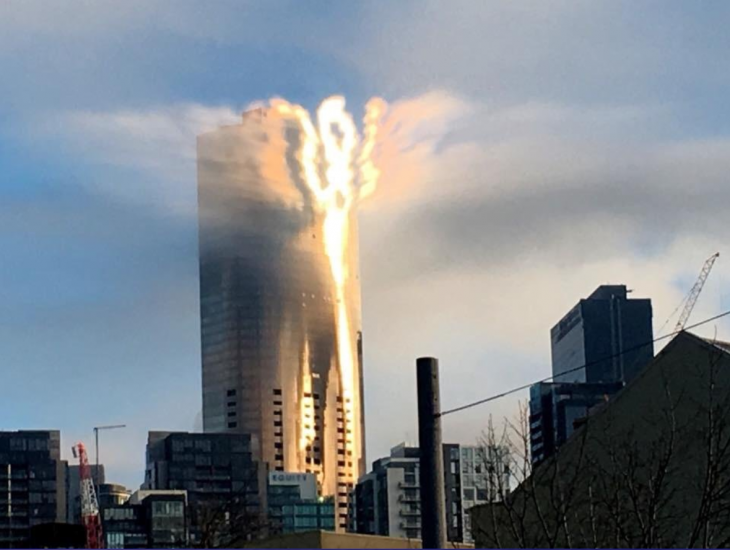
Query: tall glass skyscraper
[281,342]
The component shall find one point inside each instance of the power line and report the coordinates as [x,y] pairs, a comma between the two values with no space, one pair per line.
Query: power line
[547,379]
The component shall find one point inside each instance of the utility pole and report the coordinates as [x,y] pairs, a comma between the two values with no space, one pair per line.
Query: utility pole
[433,515]
[97,429]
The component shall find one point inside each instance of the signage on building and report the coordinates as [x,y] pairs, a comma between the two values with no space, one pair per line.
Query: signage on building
[307,483]
[283,478]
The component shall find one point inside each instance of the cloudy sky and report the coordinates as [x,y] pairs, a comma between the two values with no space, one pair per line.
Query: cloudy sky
[544,148]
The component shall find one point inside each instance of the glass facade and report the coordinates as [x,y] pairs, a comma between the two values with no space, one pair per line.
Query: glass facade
[603,343]
[605,338]
[219,472]
[159,521]
[32,484]
[280,318]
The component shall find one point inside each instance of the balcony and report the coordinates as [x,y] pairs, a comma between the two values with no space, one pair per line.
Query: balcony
[406,498]
[409,484]
[410,513]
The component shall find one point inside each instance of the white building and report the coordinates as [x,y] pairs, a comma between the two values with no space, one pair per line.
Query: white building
[387,500]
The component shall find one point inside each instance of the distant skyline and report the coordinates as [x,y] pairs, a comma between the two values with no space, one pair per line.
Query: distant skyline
[545,149]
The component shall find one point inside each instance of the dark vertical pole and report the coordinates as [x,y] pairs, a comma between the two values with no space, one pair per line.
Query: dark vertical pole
[433,516]
[96,474]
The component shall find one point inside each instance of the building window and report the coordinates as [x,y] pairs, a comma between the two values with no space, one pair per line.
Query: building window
[233,424]
[277,392]
[231,393]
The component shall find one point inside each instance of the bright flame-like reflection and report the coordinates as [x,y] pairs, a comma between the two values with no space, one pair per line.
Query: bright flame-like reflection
[334,149]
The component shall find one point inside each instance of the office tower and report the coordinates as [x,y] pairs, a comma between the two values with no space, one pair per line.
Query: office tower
[280,306]
[387,500]
[32,484]
[295,505]
[599,346]
[222,477]
[605,338]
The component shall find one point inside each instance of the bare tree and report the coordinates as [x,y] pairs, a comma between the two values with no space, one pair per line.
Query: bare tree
[228,520]
[660,479]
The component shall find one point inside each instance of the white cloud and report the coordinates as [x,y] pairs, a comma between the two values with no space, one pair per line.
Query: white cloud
[521,212]
[489,223]
[158,144]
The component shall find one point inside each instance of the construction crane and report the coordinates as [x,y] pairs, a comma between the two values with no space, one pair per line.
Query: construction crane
[89,505]
[694,294]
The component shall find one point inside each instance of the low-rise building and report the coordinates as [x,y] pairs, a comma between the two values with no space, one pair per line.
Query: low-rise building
[154,519]
[295,505]
[328,539]
[387,500]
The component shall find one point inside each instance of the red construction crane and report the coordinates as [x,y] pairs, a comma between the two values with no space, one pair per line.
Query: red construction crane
[89,504]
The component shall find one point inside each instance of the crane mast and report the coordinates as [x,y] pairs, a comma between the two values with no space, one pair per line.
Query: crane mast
[694,294]
[89,504]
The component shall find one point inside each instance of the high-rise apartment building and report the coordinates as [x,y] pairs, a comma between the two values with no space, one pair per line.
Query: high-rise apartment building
[280,306]
[32,484]
[387,500]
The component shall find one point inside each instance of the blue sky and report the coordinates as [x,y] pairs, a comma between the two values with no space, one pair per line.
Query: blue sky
[547,149]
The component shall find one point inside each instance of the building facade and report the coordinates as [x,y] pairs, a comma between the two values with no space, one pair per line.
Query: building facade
[32,484]
[153,519]
[112,494]
[598,347]
[280,305]
[221,475]
[295,505]
[557,409]
[607,337]
[387,500]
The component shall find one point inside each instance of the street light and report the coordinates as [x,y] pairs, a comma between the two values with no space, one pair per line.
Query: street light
[96,440]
